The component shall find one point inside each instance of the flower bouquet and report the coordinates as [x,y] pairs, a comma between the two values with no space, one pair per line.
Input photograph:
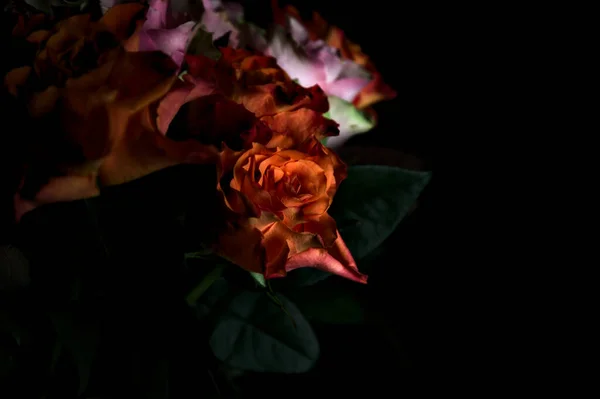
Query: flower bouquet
[172,196]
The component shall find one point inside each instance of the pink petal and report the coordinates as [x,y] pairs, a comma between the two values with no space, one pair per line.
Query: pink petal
[309,71]
[298,31]
[156,16]
[172,42]
[346,89]
[219,19]
[345,79]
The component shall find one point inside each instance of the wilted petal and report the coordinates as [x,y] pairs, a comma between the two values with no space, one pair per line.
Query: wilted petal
[171,42]
[16,78]
[58,189]
[377,90]
[319,258]
[177,97]
[296,126]
[109,121]
[120,19]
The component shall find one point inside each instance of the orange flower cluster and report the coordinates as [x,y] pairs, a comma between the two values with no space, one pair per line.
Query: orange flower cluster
[116,115]
[98,103]
[276,179]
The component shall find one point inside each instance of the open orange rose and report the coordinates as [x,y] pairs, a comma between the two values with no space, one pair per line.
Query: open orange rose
[108,132]
[281,199]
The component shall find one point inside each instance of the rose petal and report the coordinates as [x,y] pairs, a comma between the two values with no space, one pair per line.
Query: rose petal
[296,126]
[347,89]
[307,71]
[377,90]
[120,19]
[171,42]
[109,119]
[221,18]
[156,16]
[319,258]
[323,226]
[16,78]
[353,77]
[58,189]
[177,97]
[39,36]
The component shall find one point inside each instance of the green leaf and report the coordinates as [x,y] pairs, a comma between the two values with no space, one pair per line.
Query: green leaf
[41,5]
[205,253]
[213,299]
[80,340]
[205,284]
[46,6]
[372,201]
[202,44]
[254,334]
[260,279]
[351,120]
[303,277]
[329,305]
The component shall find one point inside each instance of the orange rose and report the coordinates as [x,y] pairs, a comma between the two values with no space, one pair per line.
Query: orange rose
[109,133]
[241,99]
[263,87]
[73,47]
[283,197]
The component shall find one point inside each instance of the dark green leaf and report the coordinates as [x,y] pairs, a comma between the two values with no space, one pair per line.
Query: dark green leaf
[46,6]
[14,268]
[42,5]
[302,277]
[80,339]
[372,201]
[255,334]
[202,44]
[329,305]
[205,284]
[217,292]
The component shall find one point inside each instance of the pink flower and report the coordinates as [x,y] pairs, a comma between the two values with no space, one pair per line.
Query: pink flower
[221,18]
[314,62]
[163,31]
